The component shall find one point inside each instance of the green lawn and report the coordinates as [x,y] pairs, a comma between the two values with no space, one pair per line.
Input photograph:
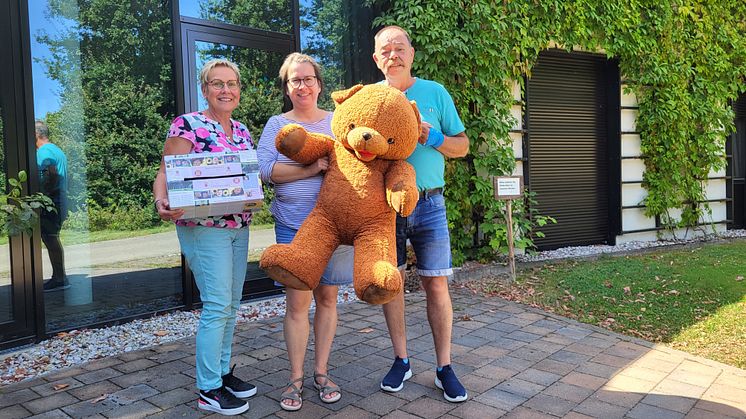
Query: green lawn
[693,299]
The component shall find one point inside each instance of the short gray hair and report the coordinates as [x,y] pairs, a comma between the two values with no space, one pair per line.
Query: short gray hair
[42,130]
[218,62]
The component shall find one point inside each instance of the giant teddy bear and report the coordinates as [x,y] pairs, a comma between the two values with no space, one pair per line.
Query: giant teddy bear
[366,184]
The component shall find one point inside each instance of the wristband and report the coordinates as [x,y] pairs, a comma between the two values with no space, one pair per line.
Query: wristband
[435,138]
[155,204]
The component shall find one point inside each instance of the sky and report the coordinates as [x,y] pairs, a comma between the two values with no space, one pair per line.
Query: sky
[46,90]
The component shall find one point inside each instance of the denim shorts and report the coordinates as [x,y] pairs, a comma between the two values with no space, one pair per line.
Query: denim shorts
[340,267]
[427,231]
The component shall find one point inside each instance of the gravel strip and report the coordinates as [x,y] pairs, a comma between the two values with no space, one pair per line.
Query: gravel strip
[79,346]
[583,251]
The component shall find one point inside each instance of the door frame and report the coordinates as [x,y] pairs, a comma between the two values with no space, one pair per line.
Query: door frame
[18,122]
[610,79]
[188,30]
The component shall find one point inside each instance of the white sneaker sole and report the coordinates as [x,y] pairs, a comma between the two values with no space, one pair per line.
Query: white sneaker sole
[242,394]
[204,405]
[407,376]
[450,399]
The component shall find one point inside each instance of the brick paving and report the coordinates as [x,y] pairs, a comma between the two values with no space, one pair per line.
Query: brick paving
[516,362]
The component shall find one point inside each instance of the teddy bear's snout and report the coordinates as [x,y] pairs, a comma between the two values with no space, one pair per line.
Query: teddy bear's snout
[367,136]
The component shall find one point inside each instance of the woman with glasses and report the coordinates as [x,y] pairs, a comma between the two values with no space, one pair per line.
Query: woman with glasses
[215,247]
[296,189]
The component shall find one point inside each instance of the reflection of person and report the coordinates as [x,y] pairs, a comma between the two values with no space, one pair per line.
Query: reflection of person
[52,164]
[216,248]
[427,227]
[296,188]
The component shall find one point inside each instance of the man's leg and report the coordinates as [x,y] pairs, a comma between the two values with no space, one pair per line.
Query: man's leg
[432,246]
[393,311]
[439,315]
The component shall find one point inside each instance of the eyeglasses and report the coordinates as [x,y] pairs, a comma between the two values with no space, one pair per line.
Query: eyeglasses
[220,84]
[309,81]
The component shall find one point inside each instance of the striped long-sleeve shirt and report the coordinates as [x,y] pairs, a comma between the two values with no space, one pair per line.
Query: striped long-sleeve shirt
[293,200]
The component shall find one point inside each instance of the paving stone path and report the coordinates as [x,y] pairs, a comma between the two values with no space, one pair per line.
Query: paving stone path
[515,361]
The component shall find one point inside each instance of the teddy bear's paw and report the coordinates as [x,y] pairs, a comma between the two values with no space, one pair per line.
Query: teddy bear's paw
[383,286]
[290,139]
[286,278]
[376,295]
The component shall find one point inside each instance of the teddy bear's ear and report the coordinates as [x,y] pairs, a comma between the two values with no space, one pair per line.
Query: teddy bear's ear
[342,95]
[417,114]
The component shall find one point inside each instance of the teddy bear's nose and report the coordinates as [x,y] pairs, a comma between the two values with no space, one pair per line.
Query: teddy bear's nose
[367,136]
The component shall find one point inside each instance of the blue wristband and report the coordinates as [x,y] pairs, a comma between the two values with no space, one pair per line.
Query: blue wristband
[435,138]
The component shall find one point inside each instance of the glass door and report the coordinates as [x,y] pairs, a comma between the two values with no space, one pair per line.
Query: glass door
[259,57]
[16,290]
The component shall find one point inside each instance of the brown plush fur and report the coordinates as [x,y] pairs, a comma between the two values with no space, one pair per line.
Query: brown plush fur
[367,181]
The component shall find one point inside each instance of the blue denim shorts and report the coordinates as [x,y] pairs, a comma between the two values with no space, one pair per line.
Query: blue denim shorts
[427,231]
[340,267]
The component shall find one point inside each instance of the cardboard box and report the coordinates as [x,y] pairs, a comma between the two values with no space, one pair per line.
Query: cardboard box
[213,184]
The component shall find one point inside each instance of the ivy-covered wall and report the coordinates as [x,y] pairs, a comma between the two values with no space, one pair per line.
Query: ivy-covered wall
[684,61]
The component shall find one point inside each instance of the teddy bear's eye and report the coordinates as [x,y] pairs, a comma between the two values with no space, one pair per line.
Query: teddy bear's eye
[352,126]
[391,141]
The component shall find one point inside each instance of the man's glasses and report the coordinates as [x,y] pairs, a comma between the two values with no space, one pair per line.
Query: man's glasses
[220,84]
[309,81]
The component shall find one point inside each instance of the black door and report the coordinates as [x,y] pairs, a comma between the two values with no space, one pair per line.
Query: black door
[16,287]
[568,105]
[259,55]
[737,166]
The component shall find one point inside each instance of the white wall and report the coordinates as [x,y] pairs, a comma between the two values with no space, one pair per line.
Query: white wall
[632,169]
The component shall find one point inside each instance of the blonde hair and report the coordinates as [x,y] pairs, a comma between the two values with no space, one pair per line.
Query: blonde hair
[398,28]
[218,62]
[297,57]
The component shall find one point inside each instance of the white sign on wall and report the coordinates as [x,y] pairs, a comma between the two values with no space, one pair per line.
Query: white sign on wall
[508,187]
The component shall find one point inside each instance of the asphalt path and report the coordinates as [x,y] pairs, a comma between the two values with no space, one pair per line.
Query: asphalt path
[152,246]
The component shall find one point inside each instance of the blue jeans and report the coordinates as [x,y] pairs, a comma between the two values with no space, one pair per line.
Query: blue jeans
[337,272]
[217,257]
[427,231]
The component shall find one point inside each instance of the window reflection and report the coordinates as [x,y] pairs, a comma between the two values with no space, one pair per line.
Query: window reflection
[269,15]
[260,96]
[337,33]
[102,84]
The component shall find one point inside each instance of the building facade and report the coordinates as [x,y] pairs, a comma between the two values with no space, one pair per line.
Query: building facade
[107,77]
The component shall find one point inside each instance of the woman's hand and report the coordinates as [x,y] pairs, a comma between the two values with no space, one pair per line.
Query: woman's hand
[320,165]
[165,211]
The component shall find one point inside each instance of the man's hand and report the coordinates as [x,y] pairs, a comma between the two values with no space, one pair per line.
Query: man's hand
[430,136]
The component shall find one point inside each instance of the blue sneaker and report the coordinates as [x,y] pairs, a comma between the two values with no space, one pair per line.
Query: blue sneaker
[445,379]
[398,374]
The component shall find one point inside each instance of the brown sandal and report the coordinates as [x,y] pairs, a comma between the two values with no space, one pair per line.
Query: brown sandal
[325,389]
[293,393]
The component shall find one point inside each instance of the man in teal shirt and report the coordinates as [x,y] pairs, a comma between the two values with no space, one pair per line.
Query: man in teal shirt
[52,165]
[427,227]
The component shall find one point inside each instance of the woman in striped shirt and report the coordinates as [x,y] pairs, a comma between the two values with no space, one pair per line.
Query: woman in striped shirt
[296,189]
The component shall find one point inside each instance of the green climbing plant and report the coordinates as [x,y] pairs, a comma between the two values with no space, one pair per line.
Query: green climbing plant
[684,61]
[18,212]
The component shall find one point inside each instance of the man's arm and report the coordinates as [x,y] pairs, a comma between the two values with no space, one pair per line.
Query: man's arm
[456,146]
[453,147]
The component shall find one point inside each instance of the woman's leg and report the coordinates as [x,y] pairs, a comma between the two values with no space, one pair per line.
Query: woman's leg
[240,246]
[296,330]
[324,328]
[213,275]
